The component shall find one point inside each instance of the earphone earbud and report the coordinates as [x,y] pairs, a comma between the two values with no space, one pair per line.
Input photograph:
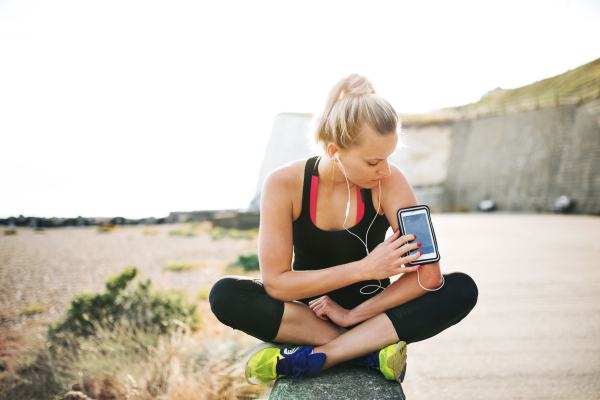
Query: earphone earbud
[336,155]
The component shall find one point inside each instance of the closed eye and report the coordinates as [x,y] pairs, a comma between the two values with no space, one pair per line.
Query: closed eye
[372,165]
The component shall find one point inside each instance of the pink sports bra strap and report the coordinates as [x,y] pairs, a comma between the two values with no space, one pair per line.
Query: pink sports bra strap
[314,188]
[360,204]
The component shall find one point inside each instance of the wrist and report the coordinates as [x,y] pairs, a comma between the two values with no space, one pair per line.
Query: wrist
[351,318]
[360,271]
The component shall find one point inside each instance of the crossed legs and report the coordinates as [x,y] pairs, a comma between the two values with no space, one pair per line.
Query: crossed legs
[243,304]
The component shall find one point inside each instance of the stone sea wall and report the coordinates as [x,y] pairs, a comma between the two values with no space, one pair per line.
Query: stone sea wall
[524,161]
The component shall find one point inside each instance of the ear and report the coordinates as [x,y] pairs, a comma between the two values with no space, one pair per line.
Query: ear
[332,148]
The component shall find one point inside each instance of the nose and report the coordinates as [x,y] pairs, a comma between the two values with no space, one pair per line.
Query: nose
[384,170]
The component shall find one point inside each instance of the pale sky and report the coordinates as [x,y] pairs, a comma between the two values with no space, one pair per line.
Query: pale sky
[137,108]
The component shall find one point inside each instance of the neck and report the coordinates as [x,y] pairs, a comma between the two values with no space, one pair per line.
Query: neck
[332,174]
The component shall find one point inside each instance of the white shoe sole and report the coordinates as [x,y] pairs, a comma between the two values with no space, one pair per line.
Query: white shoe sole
[398,359]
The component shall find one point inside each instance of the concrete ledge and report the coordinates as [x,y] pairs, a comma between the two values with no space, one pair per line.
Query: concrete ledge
[344,381]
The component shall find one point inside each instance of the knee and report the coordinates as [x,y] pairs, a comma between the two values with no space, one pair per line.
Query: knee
[222,292]
[465,290]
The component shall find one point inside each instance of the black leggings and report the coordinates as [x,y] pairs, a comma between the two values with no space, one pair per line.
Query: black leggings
[242,303]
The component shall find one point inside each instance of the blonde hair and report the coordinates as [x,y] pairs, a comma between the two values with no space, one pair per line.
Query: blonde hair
[352,102]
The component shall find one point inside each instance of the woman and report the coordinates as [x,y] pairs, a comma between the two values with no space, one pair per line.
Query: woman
[337,303]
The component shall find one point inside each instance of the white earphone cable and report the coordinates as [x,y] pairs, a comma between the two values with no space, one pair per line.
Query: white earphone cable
[377,287]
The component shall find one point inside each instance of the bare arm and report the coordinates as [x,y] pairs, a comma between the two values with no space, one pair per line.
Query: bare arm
[396,194]
[275,247]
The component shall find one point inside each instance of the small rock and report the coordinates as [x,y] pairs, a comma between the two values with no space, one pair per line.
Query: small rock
[344,381]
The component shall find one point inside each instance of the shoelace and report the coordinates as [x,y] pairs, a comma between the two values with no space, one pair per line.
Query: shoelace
[371,360]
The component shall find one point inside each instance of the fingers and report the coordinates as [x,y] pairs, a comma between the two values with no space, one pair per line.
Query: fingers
[314,302]
[323,317]
[402,239]
[318,307]
[393,237]
[322,313]
[406,260]
[318,304]
[405,270]
[411,257]
[408,247]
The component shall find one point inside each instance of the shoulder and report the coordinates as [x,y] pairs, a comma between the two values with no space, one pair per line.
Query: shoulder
[396,191]
[395,180]
[286,176]
[283,182]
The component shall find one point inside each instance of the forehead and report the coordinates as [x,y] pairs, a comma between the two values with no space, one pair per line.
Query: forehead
[372,144]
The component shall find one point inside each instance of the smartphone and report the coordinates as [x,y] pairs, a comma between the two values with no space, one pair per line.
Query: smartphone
[417,221]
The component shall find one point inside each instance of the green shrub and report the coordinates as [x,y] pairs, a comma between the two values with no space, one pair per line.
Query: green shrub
[141,306]
[203,294]
[9,232]
[189,230]
[181,232]
[218,232]
[106,228]
[249,263]
[181,266]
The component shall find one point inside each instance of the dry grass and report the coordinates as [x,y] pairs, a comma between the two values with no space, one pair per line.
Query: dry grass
[219,233]
[33,308]
[128,362]
[43,272]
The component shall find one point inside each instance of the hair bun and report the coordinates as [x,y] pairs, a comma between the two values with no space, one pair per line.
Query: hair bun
[358,85]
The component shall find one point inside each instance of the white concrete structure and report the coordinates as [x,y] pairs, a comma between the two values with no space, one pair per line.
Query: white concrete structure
[288,142]
[425,159]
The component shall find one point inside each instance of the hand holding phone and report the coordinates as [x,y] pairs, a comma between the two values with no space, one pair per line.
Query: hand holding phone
[387,259]
[417,221]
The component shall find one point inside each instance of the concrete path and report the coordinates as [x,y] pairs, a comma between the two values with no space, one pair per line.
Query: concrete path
[535,332]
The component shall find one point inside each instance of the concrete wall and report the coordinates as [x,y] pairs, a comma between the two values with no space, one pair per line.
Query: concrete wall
[424,160]
[236,220]
[525,161]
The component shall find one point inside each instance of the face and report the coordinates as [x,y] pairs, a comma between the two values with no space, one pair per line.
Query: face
[366,162]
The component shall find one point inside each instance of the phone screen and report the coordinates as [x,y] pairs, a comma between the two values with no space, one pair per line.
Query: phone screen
[416,223]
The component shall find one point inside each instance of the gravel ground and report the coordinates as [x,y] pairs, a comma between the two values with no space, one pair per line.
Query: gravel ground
[53,266]
[534,334]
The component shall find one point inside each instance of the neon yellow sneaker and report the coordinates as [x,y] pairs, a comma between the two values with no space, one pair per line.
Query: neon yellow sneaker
[269,361]
[390,360]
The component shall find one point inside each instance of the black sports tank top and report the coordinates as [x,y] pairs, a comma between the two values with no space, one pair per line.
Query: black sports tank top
[316,249]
